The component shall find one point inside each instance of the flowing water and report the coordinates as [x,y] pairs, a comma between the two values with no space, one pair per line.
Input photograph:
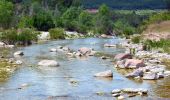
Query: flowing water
[73,79]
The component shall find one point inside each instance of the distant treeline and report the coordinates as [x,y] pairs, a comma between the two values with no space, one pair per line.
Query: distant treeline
[127,4]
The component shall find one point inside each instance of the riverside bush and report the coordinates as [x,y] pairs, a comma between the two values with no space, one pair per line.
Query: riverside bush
[23,36]
[57,33]
[164,44]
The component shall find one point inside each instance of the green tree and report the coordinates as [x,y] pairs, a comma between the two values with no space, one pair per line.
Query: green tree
[103,22]
[70,18]
[85,22]
[6,13]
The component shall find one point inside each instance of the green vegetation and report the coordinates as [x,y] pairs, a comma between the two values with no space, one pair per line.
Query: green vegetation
[21,36]
[57,33]
[164,44]
[136,39]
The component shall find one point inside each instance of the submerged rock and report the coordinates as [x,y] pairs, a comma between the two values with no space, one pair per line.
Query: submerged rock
[48,63]
[108,73]
[53,50]
[109,45]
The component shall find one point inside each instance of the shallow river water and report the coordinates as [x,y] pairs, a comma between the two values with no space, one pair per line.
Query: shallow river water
[54,83]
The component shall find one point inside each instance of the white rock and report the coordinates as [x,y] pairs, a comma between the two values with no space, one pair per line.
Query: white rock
[121,98]
[108,73]
[44,36]
[19,53]
[116,91]
[18,62]
[53,50]
[48,63]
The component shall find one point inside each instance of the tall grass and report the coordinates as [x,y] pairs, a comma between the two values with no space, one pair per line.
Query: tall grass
[23,36]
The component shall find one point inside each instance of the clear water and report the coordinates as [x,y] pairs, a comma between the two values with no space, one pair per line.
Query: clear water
[53,83]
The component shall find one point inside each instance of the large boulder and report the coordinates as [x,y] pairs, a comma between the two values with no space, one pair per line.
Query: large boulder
[123,56]
[150,76]
[108,73]
[134,63]
[85,50]
[48,63]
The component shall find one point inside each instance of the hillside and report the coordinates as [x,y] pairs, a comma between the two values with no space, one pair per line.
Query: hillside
[126,4]
[158,31]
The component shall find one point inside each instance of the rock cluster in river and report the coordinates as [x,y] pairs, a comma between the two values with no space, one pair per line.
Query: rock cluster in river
[146,65]
[3,45]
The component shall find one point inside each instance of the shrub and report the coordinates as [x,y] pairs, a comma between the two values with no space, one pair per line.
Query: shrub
[164,44]
[22,36]
[57,33]
[136,39]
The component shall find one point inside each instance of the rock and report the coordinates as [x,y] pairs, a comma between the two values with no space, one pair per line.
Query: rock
[105,36]
[160,75]
[66,49]
[20,53]
[92,53]
[130,90]
[132,95]
[78,54]
[167,73]
[11,60]
[121,98]
[150,76]
[59,47]
[104,57]
[116,91]
[109,45]
[18,62]
[135,90]
[44,36]
[122,56]
[134,63]
[48,63]
[85,50]
[2,44]
[120,64]
[108,73]
[136,73]
[116,95]
[53,50]
[9,46]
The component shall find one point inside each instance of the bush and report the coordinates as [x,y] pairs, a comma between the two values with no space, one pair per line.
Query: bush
[136,39]
[164,44]
[57,33]
[22,36]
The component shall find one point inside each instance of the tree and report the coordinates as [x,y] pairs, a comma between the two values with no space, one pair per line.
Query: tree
[103,22]
[70,18]
[85,22]
[43,21]
[6,13]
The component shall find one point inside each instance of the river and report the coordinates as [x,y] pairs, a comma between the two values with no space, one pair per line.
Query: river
[54,83]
